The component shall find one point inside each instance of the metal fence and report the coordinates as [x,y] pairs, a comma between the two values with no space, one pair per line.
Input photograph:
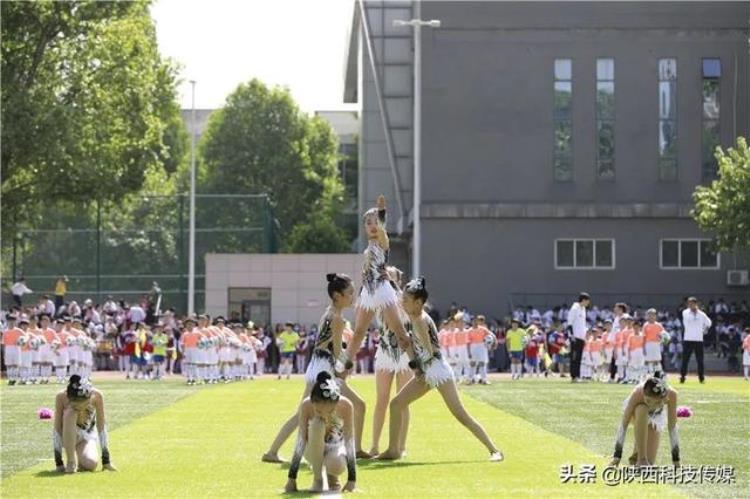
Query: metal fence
[110,250]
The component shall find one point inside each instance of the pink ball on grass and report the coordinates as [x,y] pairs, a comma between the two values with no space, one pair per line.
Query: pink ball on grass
[44,413]
[684,412]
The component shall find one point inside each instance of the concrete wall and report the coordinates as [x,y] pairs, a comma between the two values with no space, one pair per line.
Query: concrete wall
[297,282]
[491,206]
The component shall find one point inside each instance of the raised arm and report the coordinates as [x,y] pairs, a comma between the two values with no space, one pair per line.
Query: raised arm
[382,233]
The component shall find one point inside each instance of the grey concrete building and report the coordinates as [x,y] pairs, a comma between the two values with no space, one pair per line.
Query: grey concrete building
[561,144]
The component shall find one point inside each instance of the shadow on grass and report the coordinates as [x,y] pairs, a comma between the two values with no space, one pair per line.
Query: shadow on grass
[48,474]
[374,464]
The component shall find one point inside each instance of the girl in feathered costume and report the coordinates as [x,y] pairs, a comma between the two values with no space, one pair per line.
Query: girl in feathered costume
[432,372]
[328,347]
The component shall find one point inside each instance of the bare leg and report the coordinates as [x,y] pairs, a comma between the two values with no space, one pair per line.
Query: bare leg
[383,380]
[88,458]
[453,401]
[314,449]
[359,417]
[401,380]
[361,322]
[272,456]
[653,445]
[413,390]
[641,432]
[393,320]
[69,438]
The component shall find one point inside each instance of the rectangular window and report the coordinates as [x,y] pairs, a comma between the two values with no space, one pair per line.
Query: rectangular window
[605,119]
[667,162]
[563,120]
[711,108]
[585,254]
[688,254]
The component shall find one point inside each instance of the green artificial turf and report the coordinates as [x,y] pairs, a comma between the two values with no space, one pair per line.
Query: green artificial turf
[210,443]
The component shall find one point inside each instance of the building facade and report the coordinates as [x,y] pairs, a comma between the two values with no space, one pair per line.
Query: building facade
[561,144]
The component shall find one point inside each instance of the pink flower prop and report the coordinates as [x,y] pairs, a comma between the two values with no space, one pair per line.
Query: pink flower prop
[684,412]
[44,413]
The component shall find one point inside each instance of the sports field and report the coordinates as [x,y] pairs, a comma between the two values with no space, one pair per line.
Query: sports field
[170,440]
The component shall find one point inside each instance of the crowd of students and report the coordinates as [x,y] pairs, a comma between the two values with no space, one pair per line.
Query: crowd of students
[48,339]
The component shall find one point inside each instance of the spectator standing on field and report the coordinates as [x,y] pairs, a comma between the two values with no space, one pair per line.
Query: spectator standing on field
[577,323]
[695,323]
[18,290]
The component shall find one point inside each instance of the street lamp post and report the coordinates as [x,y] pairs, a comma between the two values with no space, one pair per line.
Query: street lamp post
[191,249]
[417,223]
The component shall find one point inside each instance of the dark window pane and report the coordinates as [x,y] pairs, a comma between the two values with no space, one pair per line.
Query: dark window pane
[563,139]
[603,253]
[584,253]
[565,254]
[563,69]
[711,68]
[605,69]
[668,100]
[605,100]
[670,254]
[710,142]
[667,138]
[689,254]
[563,169]
[563,97]
[667,169]
[710,99]
[708,255]
[667,69]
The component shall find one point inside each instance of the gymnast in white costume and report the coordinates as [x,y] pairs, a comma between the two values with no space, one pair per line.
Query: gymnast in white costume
[325,437]
[328,347]
[79,423]
[391,362]
[652,408]
[432,372]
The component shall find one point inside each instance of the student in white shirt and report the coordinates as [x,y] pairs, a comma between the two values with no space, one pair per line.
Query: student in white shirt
[577,322]
[695,325]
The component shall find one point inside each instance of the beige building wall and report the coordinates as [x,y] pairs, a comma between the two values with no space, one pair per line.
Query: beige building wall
[297,282]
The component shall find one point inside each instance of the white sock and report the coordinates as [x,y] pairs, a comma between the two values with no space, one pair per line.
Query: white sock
[483,374]
[747,371]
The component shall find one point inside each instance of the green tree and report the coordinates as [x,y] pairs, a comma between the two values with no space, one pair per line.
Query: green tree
[88,104]
[319,234]
[723,207]
[261,142]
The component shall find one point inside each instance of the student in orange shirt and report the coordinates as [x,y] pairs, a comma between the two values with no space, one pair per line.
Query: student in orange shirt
[25,351]
[608,342]
[482,341]
[11,338]
[61,353]
[462,349]
[635,354]
[626,324]
[450,343]
[652,332]
[189,347]
[45,350]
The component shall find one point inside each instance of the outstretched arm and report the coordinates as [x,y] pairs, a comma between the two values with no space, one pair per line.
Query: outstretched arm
[101,427]
[57,430]
[622,430]
[674,439]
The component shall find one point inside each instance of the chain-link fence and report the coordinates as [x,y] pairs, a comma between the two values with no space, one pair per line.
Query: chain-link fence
[120,251]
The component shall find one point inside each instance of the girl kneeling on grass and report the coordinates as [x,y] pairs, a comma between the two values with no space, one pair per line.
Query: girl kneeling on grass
[326,437]
[652,407]
[433,372]
[79,418]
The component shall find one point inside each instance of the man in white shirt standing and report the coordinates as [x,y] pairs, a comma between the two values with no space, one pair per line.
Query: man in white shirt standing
[577,324]
[695,325]
[18,290]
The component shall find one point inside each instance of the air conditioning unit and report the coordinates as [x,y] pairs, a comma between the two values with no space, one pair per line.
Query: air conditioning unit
[737,278]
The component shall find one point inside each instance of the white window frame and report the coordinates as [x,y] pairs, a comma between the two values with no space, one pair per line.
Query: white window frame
[593,241]
[679,266]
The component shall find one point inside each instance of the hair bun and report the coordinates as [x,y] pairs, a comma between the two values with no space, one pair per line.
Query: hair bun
[74,380]
[323,376]
[331,277]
